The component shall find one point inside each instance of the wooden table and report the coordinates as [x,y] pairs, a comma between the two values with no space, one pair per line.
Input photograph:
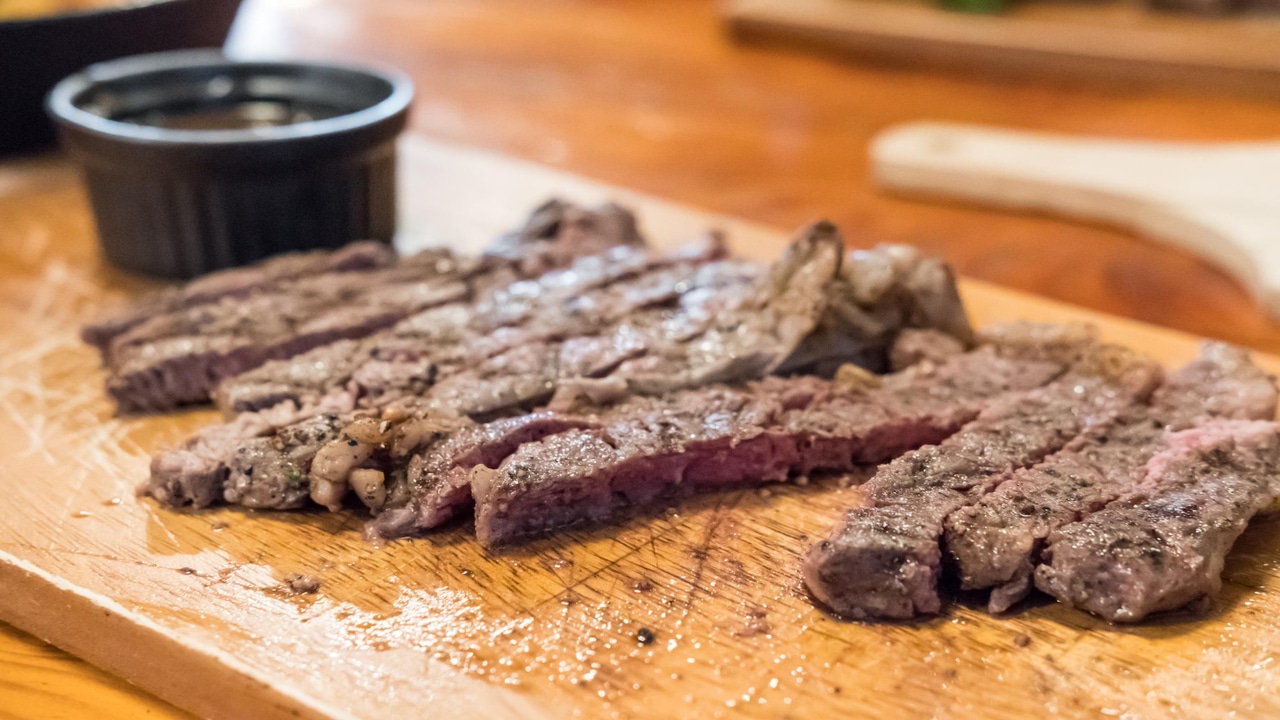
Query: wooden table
[651,95]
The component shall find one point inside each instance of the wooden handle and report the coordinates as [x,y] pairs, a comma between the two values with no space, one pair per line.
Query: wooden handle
[1221,201]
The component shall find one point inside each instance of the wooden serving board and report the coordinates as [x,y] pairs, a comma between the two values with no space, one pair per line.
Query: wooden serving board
[1102,40]
[190,605]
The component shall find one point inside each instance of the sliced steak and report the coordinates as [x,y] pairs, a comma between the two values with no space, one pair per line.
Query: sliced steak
[177,357]
[195,473]
[409,363]
[159,372]
[882,560]
[996,542]
[767,431]
[663,325]
[1162,547]
[557,232]
[436,484]
[809,314]
[249,462]
[268,276]
[719,321]
[589,294]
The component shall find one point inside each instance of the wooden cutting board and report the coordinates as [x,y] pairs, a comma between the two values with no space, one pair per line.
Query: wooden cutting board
[190,605]
[1109,42]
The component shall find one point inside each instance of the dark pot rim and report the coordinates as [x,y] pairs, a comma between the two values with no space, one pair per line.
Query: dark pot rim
[61,102]
[89,12]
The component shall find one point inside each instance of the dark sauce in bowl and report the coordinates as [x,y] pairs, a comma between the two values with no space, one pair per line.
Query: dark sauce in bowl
[234,116]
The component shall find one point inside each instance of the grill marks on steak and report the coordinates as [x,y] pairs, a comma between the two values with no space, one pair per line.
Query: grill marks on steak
[406,364]
[995,543]
[1163,545]
[647,449]
[594,292]
[884,558]
[270,275]
[177,357]
[182,361]
[425,475]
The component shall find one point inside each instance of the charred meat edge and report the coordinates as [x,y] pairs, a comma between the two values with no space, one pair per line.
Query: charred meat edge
[996,542]
[1163,546]
[883,559]
[158,373]
[717,438]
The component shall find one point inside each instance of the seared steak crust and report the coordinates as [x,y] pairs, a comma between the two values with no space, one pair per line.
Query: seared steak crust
[996,542]
[725,436]
[884,557]
[1163,545]
[268,276]
[224,326]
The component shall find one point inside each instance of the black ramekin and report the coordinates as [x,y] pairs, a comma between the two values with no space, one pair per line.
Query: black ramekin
[178,203]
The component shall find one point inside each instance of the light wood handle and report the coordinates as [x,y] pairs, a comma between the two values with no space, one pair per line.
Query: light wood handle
[1221,201]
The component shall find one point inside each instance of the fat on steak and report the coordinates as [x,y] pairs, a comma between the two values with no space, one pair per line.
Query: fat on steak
[883,559]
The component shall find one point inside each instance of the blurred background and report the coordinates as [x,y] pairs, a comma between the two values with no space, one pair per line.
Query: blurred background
[657,95]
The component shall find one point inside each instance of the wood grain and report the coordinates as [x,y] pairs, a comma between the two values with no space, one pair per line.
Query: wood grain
[1103,42]
[191,604]
[39,682]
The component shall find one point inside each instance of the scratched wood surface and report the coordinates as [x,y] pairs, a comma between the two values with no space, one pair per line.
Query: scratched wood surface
[190,605]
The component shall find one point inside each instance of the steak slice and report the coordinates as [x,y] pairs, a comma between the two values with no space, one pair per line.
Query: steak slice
[557,232]
[882,560]
[723,436]
[1162,546]
[391,367]
[407,359]
[267,276]
[177,357]
[995,542]
[437,481]
[195,473]
[158,373]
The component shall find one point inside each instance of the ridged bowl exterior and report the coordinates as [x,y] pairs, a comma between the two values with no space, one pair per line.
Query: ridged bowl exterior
[178,226]
[177,203]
